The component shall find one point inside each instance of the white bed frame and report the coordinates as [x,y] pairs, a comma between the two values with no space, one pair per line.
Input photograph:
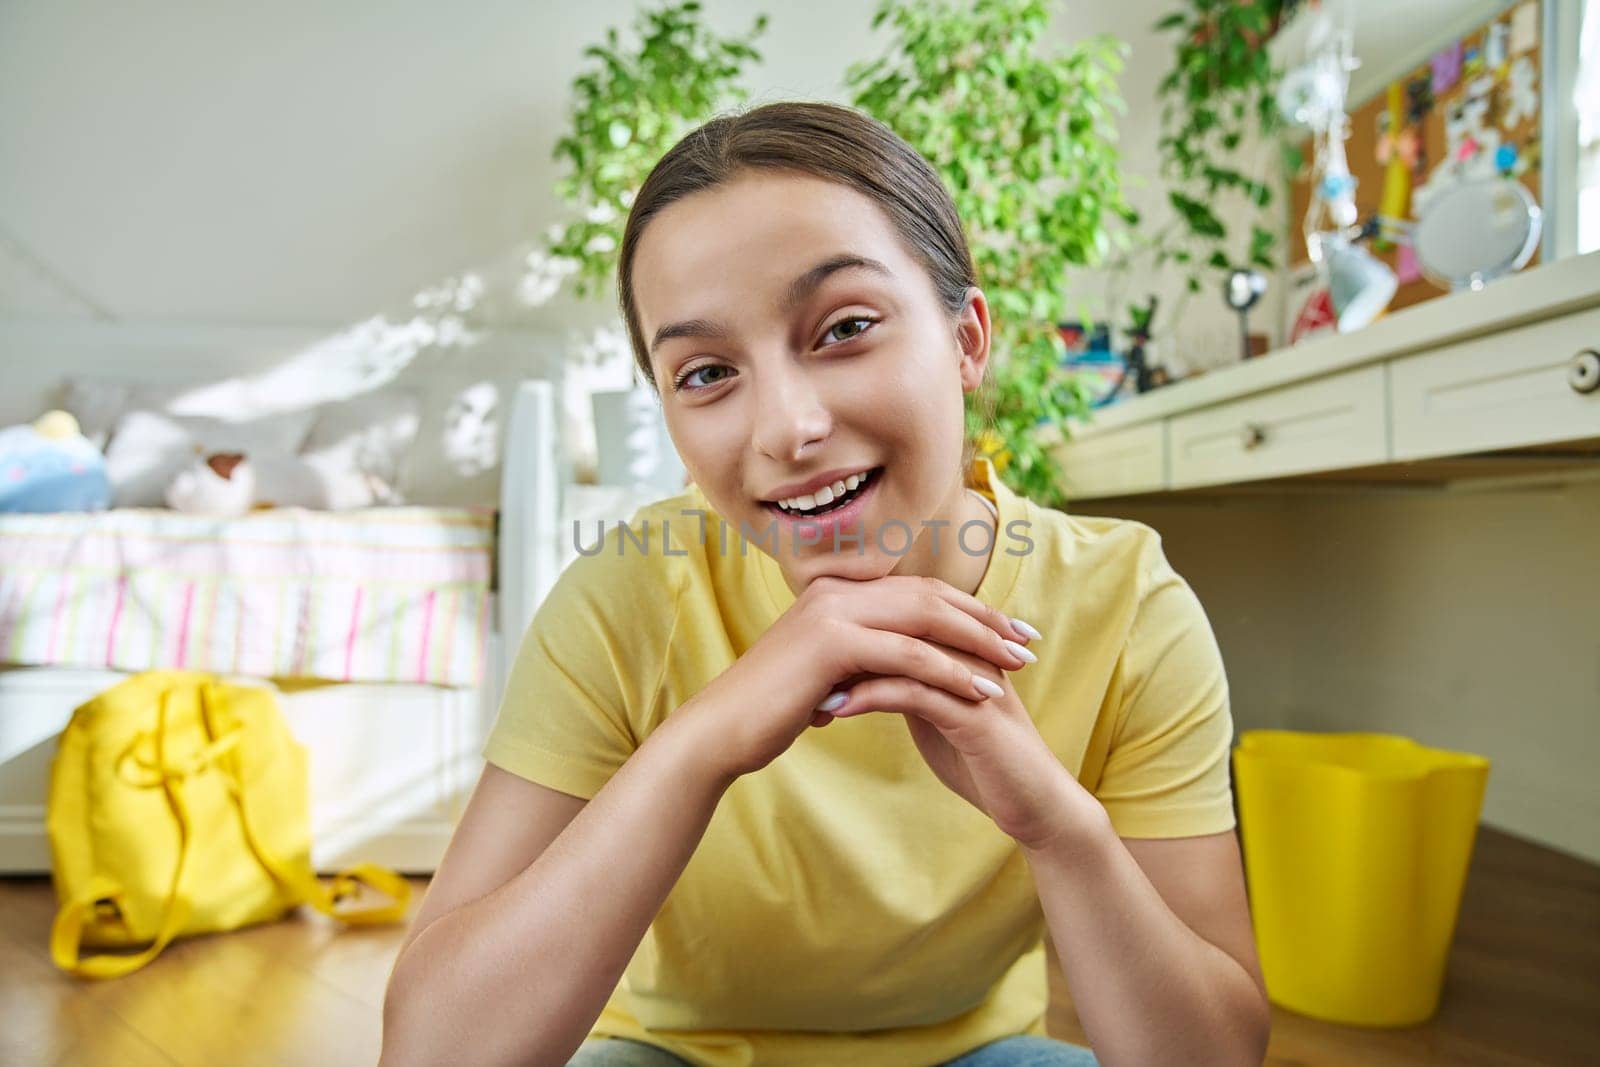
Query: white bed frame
[392,766]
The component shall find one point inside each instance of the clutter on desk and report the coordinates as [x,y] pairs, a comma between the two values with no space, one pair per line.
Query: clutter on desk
[1111,374]
[1089,357]
[1458,137]
[1313,96]
[1242,291]
[1476,231]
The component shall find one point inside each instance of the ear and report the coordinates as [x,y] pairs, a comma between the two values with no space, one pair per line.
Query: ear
[972,339]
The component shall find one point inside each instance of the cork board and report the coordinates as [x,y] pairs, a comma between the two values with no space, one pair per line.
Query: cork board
[1472,109]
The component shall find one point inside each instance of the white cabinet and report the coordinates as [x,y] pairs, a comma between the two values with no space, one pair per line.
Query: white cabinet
[1515,366]
[1336,421]
[1123,461]
[1506,390]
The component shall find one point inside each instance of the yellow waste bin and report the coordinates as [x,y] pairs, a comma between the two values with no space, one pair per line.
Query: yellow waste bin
[1356,848]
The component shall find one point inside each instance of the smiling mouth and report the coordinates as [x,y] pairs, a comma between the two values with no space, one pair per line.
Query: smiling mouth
[867,481]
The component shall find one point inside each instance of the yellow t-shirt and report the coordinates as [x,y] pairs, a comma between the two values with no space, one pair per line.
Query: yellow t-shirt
[844,906]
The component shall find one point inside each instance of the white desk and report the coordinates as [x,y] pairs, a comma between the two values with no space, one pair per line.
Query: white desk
[1475,386]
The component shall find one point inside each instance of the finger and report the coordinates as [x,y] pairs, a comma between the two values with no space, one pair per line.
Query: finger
[937,611]
[909,697]
[977,664]
[886,652]
[1011,629]
[992,617]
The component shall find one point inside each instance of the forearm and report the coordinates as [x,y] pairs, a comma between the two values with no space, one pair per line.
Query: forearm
[520,975]
[1148,989]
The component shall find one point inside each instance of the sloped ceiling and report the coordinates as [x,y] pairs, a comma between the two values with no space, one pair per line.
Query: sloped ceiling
[313,164]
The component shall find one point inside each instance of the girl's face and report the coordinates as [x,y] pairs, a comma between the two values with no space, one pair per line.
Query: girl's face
[796,341]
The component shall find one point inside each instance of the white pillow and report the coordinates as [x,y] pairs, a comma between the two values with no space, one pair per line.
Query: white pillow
[353,453]
[149,448]
[369,435]
[325,481]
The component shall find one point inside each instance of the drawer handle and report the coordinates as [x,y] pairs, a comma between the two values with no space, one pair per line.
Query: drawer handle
[1584,373]
[1253,436]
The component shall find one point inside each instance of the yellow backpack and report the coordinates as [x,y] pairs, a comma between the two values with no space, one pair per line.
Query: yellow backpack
[180,804]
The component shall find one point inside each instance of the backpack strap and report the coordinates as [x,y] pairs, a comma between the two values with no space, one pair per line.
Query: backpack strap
[303,886]
[66,932]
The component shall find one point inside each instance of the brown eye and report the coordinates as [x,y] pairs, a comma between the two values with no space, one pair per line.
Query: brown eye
[865,325]
[683,380]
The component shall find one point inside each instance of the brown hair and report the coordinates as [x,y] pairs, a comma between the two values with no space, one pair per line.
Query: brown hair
[827,141]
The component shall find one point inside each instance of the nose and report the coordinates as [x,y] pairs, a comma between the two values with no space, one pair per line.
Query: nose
[789,414]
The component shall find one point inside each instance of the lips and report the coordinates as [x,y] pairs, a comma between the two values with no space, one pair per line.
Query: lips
[814,484]
[838,519]
[827,496]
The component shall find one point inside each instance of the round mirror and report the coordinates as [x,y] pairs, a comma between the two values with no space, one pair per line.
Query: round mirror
[1475,231]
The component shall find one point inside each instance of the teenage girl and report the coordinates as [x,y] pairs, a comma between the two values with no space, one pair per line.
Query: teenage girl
[676,854]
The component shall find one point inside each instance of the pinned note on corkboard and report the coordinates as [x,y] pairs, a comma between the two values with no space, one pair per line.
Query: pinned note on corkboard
[1471,110]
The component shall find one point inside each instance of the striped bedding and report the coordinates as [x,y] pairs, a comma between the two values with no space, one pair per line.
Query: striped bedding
[397,594]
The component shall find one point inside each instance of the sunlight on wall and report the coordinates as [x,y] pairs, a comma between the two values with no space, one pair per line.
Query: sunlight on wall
[471,436]
[355,361]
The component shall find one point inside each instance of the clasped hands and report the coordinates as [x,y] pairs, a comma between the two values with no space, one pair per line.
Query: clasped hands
[941,659]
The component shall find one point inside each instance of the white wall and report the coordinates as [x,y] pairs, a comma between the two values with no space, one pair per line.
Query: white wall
[255,180]
[309,165]
[306,163]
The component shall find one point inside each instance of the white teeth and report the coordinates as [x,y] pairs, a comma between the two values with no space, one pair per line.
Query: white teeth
[824,496]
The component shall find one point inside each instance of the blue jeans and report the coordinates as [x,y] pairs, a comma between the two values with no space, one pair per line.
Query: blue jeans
[1024,1050]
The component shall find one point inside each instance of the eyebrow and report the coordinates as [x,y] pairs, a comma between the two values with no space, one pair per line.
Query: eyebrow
[799,289]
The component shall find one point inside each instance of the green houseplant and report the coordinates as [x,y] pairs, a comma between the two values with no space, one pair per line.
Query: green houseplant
[1025,141]
[634,102]
[627,110]
[1219,95]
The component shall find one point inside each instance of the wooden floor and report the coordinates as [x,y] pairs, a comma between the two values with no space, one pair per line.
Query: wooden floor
[1523,986]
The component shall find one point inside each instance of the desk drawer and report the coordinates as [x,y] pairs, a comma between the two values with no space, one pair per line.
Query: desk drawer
[1120,462]
[1336,421]
[1504,390]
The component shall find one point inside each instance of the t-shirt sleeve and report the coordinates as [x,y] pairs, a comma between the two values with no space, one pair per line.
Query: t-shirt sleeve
[578,689]
[1167,770]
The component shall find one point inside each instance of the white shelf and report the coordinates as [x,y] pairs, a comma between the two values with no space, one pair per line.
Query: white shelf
[1469,373]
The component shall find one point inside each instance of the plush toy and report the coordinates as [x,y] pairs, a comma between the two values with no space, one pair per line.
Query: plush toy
[50,466]
[349,454]
[223,485]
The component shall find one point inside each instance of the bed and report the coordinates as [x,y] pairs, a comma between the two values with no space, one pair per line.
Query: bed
[385,631]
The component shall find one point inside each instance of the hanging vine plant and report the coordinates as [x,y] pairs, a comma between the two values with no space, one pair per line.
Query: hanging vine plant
[628,109]
[1221,91]
[1025,140]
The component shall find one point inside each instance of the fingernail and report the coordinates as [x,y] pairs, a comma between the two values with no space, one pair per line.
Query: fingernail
[986,687]
[1022,653]
[836,700]
[1025,630]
